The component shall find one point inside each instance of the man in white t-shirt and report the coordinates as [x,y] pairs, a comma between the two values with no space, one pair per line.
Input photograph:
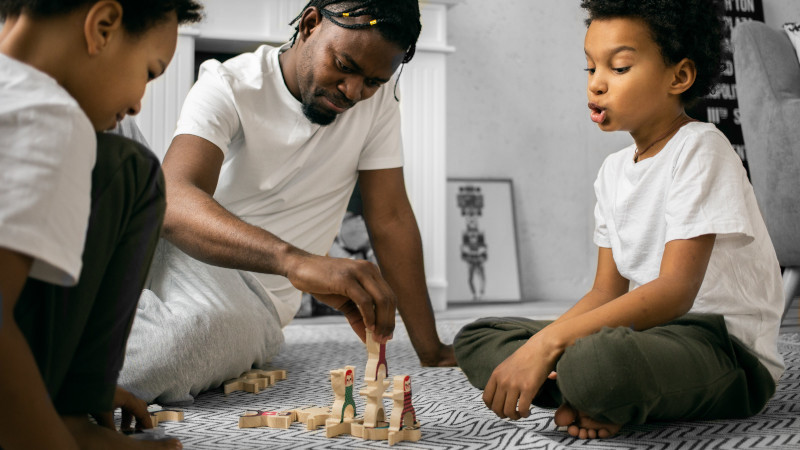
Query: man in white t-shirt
[268,148]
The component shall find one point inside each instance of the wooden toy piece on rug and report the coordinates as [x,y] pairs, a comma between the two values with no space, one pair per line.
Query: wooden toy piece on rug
[373,393]
[334,427]
[253,381]
[403,414]
[376,359]
[166,415]
[342,383]
[406,434]
[272,419]
[314,416]
[380,432]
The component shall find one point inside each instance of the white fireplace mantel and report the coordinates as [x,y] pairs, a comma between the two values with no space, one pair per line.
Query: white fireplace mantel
[240,25]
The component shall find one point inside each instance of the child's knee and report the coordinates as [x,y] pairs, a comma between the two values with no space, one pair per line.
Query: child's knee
[482,345]
[468,345]
[605,375]
[121,161]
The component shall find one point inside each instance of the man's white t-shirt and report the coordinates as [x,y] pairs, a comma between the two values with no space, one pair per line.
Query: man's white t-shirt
[47,153]
[696,185]
[280,171]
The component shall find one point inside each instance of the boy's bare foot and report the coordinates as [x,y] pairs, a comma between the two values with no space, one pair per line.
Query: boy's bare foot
[582,426]
[91,437]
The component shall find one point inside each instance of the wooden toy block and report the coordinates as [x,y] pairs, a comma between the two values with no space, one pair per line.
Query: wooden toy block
[334,427]
[253,381]
[376,360]
[342,383]
[377,433]
[403,413]
[412,434]
[314,417]
[272,419]
[373,411]
[166,415]
[276,375]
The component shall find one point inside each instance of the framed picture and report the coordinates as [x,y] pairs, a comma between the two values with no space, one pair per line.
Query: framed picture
[482,259]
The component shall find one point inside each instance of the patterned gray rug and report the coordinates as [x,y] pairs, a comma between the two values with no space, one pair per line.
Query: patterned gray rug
[450,409]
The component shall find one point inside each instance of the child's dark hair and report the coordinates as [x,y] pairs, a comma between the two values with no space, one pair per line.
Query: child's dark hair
[681,28]
[138,15]
[396,20]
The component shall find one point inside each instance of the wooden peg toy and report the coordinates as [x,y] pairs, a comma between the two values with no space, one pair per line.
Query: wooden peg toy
[380,432]
[376,360]
[403,414]
[166,415]
[314,417]
[334,427]
[373,410]
[406,434]
[253,381]
[272,419]
[342,383]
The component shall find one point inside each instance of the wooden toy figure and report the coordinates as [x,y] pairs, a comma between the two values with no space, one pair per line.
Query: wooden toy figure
[401,394]
[376,369]
[342,384]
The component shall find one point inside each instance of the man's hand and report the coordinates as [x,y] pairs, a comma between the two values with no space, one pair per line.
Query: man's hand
[445,357]
[356,288]
[516,381]
[132,406]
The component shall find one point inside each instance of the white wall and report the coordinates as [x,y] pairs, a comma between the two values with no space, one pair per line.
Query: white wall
[778,12]
[516,107]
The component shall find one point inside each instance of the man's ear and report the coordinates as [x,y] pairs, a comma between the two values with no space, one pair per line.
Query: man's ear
[310,22]
[103,22]
[684,74]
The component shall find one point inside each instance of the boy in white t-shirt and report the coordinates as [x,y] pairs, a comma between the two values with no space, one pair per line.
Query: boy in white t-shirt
[80,212]
[683,317]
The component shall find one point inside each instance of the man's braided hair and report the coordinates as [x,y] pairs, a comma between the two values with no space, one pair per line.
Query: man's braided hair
[396,20]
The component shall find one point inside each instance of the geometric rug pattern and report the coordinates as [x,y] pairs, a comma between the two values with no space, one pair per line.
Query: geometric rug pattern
[450,410]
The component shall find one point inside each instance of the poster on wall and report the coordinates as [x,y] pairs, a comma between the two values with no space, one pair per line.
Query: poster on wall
[721,107]
[482,260]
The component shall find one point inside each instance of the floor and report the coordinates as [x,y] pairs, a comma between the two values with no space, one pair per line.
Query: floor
[450,409]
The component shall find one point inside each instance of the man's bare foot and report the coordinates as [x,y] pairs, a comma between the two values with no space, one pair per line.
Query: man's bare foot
[581,426]
[91,436]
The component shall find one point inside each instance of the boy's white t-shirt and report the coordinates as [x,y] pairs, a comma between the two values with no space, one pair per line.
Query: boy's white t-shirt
[696,185]
[280,171]
[47,153]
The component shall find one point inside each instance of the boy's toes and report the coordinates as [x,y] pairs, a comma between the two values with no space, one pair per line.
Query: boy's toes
[565,415]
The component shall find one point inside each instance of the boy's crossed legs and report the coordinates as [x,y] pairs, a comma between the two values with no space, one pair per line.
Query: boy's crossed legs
[78,334]
[686,369]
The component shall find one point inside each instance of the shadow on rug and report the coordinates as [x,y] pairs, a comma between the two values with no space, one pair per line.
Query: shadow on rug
[450,410]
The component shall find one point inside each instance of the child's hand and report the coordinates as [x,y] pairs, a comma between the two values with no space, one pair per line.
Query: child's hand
[132,406]
[516,381]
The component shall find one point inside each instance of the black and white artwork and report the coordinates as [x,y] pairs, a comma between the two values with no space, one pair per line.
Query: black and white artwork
[482,262]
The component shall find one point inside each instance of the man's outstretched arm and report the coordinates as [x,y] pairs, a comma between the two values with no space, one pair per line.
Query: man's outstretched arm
[205,230]
[396,240]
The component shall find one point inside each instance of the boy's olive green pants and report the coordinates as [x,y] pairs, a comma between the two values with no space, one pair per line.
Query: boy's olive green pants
[78,334]
[686,369]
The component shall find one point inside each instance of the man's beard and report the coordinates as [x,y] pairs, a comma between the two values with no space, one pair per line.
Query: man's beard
[317,115]
[313,110]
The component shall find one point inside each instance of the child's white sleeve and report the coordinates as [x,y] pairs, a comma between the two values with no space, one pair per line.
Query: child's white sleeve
[708,191]
[601,238]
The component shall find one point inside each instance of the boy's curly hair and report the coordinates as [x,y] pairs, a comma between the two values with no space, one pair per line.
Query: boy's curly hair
[681,28]
[138,17]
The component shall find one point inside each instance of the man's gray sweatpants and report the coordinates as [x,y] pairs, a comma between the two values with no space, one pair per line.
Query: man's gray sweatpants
[196,326]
